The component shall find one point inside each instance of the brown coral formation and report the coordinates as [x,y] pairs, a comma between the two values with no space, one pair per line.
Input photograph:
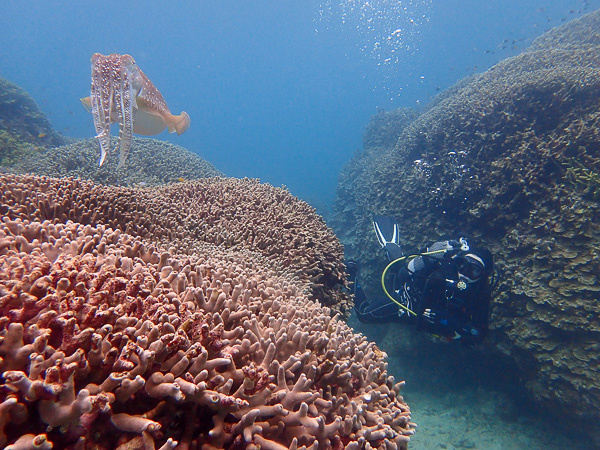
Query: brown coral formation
[151,162]
[24,129]
[494,161]
[385,127]
[106,342]
[381,134]
[237,214]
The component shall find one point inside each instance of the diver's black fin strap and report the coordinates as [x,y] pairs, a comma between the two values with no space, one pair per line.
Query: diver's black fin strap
[394,251]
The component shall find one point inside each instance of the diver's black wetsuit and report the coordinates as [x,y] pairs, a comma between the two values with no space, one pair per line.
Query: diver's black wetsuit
[447,302]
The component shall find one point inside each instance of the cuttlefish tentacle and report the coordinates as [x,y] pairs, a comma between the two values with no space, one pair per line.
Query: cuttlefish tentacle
[122,93]
[125,99]
[101,102]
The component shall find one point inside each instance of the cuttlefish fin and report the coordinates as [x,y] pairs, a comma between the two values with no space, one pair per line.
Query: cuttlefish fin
[148,124]
[87,103]
[178,124]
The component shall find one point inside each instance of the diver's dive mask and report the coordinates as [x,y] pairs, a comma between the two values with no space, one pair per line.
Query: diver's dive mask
[470,267]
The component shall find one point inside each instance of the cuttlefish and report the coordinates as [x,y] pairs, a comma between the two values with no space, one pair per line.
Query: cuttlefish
[121,93]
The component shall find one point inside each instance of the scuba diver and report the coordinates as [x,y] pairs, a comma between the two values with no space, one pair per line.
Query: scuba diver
[444,290]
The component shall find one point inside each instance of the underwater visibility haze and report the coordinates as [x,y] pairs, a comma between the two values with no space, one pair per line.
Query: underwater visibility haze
[170,304]
[275,90]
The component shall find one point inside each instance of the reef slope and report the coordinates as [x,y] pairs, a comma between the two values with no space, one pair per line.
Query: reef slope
[511,158]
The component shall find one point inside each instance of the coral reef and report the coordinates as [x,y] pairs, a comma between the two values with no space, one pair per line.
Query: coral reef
[29,144]
[24,130]
[381,134]
[108,342]
[490,161]
[223,211]
[581,176]
[151,162]
[385,127]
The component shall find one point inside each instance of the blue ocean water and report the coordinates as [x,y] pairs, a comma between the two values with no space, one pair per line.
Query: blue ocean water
[277,90]
[282,91]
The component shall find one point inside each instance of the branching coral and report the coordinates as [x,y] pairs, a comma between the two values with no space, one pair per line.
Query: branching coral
[581,176]
[223,211]
[106,342]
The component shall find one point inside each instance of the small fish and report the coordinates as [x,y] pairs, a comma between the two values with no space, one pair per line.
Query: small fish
[42,135]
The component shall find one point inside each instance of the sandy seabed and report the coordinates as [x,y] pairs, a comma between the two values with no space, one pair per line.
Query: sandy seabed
[458,405]
[473,419]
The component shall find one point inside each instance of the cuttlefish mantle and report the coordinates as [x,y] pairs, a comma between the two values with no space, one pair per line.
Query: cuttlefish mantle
[121,93]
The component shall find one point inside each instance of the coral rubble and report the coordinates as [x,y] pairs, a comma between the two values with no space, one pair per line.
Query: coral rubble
[509,157]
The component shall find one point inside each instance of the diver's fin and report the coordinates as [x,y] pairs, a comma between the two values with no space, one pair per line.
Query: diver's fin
[386,229]
[388,235]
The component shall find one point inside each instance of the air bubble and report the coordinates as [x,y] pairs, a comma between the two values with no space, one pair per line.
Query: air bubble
[388,30]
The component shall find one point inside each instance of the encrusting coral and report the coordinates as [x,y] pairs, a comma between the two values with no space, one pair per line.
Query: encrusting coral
[107,342]
[151,162]
[487,161]
[229,212]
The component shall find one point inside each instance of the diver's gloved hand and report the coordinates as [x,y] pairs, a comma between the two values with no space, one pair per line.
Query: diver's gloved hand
[429,316]
[452,247]
[453,244]
[449,327]
[352,270]
[438,319]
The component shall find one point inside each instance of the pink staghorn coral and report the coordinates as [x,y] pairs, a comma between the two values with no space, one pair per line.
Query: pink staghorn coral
[107,343]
